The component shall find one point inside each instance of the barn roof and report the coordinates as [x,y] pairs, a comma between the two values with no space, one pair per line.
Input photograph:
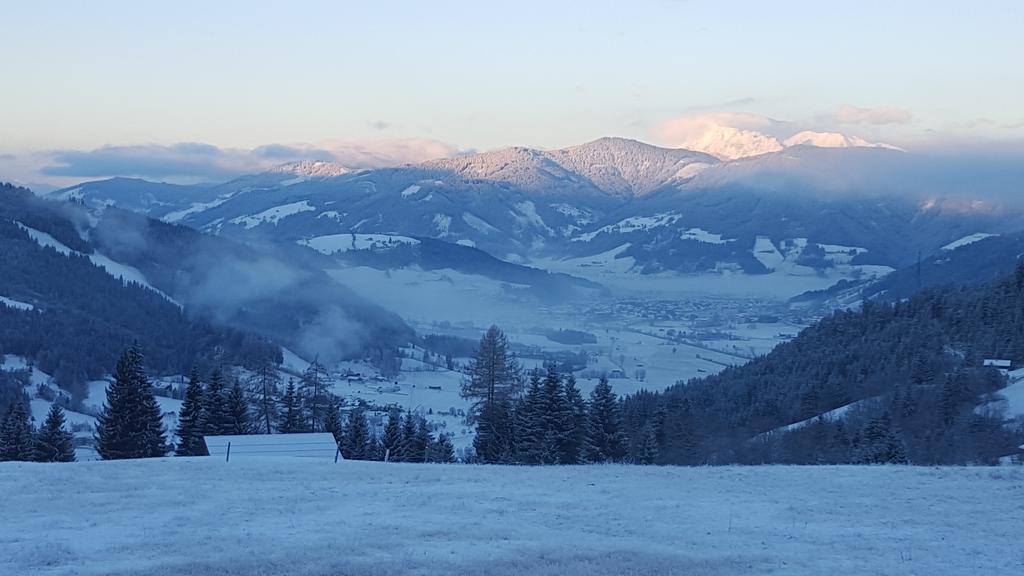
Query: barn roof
[248,446]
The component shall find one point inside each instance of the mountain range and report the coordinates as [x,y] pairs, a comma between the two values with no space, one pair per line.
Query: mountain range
[648,209]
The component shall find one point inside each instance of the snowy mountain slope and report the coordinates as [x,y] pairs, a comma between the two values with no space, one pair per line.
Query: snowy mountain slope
[523,205]
[831,140]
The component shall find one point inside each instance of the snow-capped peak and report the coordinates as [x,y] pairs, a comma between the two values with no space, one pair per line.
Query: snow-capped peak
[730,143]
[312,169]
[831,140]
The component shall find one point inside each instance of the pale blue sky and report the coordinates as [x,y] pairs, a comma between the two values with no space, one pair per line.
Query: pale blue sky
[80,75]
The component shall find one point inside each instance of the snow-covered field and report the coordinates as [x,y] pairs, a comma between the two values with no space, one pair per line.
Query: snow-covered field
[279,516]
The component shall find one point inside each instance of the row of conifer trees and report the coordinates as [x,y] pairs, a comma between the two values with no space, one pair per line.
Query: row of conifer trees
[20,441]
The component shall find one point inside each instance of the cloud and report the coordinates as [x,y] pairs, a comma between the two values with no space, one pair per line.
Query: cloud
[194,161]
[875,116]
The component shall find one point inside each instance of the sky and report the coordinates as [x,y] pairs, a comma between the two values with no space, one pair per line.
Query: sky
[91,87]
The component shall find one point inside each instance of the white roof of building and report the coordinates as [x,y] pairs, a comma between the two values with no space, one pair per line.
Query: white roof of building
[997,363]
[248,446]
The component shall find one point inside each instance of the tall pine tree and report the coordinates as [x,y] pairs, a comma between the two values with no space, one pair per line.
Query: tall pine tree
[217,414]
[16,434]
[357,442]
[291,411]
[392,440]
[238,411]
[191,426]
[53,443]
[605,440]
[130,425]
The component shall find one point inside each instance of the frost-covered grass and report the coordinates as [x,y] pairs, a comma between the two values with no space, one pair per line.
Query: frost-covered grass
[201,516]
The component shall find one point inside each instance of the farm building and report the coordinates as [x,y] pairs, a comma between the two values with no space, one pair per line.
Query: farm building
[320,445]
[1004,366]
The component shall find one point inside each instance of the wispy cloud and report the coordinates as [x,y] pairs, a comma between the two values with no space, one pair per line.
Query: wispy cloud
[874,116]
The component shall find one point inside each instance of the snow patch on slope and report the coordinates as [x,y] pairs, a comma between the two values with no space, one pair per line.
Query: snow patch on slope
[335,243]
[632,224]
[15,304]
[273,215]
[967,240]
[478,224]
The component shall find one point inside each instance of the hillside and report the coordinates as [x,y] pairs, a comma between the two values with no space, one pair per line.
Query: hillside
[79,285]
[375,518]
[74,310]
[911,372]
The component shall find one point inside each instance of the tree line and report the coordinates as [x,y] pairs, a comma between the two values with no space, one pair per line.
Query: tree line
[131,423]
[542,420]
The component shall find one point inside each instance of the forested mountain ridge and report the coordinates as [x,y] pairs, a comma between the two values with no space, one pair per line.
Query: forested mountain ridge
[79,285]
[73,318]
[905,380]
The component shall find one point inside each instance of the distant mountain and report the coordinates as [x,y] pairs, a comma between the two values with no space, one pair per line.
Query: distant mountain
[831,140]
[654,209]
[730,143]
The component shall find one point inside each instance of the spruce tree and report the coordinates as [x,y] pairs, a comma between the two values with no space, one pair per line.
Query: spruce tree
[879,444]
[217,415]
[605,441]
[239,421]
[191,426]
[130,425]
[52,442]
[357,441]
[648,446]
[16,434]
[443,450]
[407,447]
[392,441]
[529,423]
[332,423]
[421,442]
[555,418]
[575,439]
[291,411]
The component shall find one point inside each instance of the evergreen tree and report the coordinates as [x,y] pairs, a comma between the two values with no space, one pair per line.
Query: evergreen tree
[16,434]
[649,446]
[555,418]
[530,423]
[605,441]
[238,410]
[494,381]
[264,392]
[392,441]
[53,443]
[217,415]
[131,424]
[443,451]
[191,426]
[575,438]
[879,444]
[332,423]
[291,411]
[357,441]
[420,451]
[408,445]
